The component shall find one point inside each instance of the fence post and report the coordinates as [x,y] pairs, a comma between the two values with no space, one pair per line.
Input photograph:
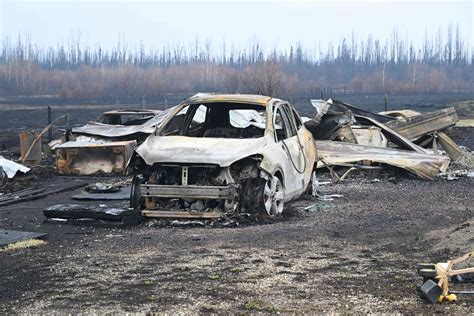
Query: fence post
[50,132]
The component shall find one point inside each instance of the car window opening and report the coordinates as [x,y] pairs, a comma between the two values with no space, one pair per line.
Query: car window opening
[125,119]
[218,120]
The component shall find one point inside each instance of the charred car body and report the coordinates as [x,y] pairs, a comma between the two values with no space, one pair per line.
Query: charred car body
[223,153]
[123,125]
[106,145]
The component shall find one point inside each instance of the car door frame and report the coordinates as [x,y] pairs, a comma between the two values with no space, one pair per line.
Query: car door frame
[292,160]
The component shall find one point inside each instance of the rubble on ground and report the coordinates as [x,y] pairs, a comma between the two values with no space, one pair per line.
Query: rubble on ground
[100,212]
[352,138]
[10,168]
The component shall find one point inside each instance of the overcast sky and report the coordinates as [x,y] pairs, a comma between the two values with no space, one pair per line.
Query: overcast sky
[279,24]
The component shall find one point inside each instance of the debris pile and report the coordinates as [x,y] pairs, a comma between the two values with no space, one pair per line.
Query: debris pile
[77,211]
[8,169]
[105,146]
[353,138]
[105,191]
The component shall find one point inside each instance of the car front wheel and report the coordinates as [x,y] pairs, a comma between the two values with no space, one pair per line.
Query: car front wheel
[273,196]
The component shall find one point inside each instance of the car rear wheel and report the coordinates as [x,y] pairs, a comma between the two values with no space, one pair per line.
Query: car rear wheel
[273,196]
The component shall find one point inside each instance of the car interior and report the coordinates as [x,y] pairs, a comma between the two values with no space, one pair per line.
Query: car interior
[218,120]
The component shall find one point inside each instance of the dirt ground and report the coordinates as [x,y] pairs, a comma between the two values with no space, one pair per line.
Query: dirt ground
[356,254]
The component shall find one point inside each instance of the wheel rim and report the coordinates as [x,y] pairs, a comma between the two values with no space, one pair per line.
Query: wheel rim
[273,196]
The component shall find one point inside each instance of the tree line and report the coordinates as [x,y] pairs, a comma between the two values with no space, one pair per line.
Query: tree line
[443,62]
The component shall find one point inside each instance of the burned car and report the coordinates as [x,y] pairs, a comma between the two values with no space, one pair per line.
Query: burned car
[123,125]
[106,145]
[217,154]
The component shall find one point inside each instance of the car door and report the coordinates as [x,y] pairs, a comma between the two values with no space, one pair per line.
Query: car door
[293,164]
[307,143]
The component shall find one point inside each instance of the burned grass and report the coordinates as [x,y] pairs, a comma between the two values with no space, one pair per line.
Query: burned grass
[357,256]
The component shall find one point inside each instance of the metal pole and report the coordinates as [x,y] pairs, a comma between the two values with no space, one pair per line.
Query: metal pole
[50,132]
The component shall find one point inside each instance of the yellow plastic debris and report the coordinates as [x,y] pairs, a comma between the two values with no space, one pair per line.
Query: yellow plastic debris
[449,298]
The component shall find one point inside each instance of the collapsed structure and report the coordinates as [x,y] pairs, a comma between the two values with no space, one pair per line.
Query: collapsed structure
[353,138]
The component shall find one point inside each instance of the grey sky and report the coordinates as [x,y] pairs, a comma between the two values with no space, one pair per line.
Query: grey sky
[238,23]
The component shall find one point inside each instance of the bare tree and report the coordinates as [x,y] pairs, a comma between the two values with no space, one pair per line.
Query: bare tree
[264,79]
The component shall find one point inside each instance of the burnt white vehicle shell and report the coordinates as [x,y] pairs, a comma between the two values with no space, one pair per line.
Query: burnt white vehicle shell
[291,159]
[183,149]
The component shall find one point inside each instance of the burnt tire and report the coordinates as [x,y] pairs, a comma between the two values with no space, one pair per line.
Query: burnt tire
[135,193]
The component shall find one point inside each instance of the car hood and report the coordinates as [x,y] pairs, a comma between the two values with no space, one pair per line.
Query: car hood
[182,149]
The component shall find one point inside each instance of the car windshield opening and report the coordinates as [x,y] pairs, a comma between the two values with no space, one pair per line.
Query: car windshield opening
[218,120]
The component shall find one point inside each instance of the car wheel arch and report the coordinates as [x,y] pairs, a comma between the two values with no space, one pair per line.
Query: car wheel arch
[279,174]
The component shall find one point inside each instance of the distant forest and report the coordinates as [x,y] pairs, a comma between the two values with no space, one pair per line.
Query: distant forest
[442,63]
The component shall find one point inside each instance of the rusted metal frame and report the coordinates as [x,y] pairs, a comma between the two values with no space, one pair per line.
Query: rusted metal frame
[188,191]
[181,214]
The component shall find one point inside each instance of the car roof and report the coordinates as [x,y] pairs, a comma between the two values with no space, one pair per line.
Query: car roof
[127,112]
[229,98]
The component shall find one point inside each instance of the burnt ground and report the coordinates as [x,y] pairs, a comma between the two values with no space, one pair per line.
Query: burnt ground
[356,254]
